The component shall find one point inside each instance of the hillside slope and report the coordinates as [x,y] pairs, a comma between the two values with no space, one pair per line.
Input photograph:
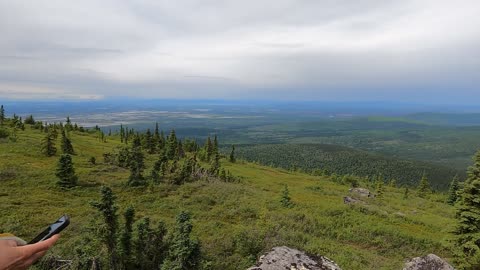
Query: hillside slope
[235,222]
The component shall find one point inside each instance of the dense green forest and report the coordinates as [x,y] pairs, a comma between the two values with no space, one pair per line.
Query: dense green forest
[154,201]
[333,159]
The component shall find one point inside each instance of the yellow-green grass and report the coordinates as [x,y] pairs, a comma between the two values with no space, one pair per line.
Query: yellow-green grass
[232,220]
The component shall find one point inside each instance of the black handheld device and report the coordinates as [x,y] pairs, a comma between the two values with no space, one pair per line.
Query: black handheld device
[53,229]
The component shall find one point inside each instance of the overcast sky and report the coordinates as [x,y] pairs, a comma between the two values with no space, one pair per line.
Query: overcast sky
[420,50]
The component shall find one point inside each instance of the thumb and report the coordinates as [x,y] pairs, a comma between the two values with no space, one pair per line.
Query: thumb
[40,246]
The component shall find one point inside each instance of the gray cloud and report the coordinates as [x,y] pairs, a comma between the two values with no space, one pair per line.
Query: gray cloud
[284,49]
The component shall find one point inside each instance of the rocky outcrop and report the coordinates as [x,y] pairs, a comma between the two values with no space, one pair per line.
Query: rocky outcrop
[350,200]
[285,258]
[429,262]
[362,192]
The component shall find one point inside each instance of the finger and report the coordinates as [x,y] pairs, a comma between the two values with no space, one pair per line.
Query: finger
[31,249]
[33,259]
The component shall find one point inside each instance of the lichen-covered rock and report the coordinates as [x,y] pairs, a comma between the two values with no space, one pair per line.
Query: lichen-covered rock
[429,262]
[350,200]
[363,192]
[285,258]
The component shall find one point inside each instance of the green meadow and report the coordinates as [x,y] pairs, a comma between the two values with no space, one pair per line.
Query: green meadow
[235,222]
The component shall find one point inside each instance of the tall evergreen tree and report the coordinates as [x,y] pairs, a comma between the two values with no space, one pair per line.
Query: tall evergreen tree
[122,133]
[156,137]
[2,115]
[185,173]
[65,172]
[108,209]
[452,191]
[184,253]
[215,165]
[48,145]
[29,120]
[285,199]
[232,154]
[180,150]
[161,144]
[423,187]
[67,147]
[209,148]
[136,164]
[405,193]
[142,243]
[172,145]
[126,238]
[68,124]
[379,187]
[468,215]
[149,142]
[155,173]
[215,145]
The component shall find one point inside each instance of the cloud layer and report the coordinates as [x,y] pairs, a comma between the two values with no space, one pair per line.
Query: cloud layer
[286,49]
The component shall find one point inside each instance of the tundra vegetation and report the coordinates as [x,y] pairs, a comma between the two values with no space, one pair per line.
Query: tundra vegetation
[143,200]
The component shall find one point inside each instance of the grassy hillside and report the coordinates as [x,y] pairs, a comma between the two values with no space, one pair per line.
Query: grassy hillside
[344,160]
[235,222]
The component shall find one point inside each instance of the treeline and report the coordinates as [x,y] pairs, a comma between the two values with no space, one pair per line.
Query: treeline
[324,159]
[177,161]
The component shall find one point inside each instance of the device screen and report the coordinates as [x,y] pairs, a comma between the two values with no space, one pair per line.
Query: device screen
[53,229]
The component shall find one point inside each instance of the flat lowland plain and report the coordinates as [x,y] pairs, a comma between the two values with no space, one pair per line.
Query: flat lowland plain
[235,222]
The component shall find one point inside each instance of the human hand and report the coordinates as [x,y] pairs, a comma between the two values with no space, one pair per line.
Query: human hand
[13,257]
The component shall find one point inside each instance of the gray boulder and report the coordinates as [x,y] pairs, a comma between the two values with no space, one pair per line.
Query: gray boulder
[285,258]
[429,262]
[362,192]
[350,200]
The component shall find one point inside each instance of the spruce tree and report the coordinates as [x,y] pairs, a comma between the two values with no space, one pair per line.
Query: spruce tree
[149,142]
[68,124]
[122,133]
[285,199]
[29,120]
[155,173]
[67,147]
[185,173]
[142,243]
[156,137]
[180,150]
[2,115]
[126,238]
[215,164]
[452,191]
[172,145]
[65,172]
[423,187]
[380,188]
[223,175]
[405,193]
[108,209]
[232,154]
[215,145]
[161,144]
[184,253]
[136,164]
[48,145]
[467,232]
[209,148]
[13,136]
